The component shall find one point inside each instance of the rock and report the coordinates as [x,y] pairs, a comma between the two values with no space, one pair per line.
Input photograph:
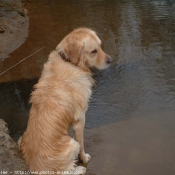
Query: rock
[10,160]
[13,26]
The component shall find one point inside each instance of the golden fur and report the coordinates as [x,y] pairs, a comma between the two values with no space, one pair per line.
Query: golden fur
[59,101]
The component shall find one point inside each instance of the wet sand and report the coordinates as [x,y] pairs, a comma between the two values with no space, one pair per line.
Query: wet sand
[137,146]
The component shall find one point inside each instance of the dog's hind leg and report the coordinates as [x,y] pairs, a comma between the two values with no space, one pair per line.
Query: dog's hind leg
[70,166]
[79,128]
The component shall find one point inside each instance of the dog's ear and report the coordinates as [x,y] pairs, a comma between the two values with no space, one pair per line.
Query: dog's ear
[72,50]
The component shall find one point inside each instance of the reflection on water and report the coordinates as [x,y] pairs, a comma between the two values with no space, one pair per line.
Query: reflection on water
[144,76]
[14,107]
[133,100]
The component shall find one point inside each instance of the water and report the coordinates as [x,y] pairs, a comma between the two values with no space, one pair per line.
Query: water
[130,120]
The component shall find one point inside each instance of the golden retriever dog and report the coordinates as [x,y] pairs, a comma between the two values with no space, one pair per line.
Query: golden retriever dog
[59,101]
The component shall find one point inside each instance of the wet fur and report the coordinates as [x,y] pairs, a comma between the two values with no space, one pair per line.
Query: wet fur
[59,101]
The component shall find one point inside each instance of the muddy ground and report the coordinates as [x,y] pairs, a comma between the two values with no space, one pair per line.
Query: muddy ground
[13,32]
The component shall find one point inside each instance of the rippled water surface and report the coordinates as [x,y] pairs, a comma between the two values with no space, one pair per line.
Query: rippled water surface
[130,124]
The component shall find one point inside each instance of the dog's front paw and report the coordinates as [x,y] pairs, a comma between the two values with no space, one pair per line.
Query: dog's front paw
[85,158]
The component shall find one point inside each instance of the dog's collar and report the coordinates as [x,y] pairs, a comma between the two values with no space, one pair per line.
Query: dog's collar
[63,56]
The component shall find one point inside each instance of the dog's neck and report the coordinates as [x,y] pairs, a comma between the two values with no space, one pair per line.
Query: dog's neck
[63,56]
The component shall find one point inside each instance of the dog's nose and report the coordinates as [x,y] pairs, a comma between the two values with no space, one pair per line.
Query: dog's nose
[109,60]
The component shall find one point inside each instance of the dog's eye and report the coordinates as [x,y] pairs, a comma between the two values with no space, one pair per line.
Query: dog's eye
[94,51]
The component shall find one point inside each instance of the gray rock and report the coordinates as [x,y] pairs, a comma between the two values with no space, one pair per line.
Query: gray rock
[10,160]
[13,26]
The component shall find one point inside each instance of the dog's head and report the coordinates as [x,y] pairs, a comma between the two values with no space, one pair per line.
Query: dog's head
[82,47]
